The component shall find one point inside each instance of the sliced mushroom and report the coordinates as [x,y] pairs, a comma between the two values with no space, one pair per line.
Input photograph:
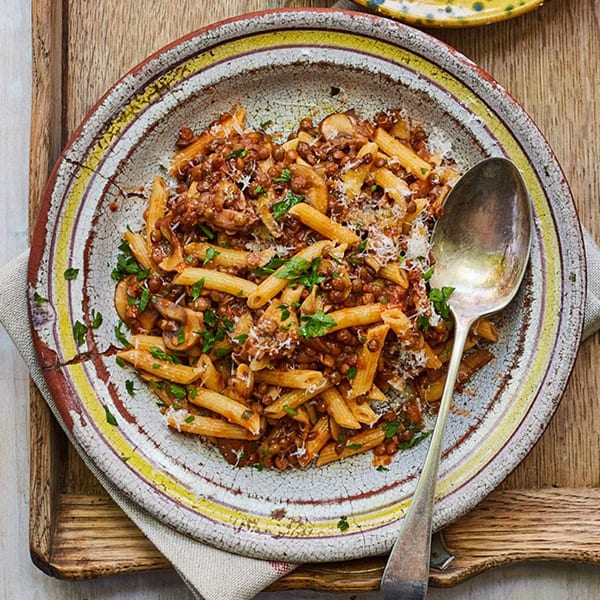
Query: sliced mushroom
[182,326]
[315,191]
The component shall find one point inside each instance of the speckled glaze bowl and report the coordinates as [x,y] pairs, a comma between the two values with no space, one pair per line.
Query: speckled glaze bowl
[451,13]
[284,66]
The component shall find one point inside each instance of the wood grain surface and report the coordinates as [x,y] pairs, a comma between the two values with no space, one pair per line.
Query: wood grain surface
[549,507]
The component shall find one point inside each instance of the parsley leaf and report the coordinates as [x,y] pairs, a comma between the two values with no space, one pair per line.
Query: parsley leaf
[79,331]
[128,265]
[210,254]
[96,319]
[290,411]
[316,324]
[197,289]
[423,323]
[129,387]
[162,355]
[416,439]
[286,175]
[110,418]
[391,428]
[439,298]
[270,267]
[343,524]
[178,391]
[39,299]
[120,335]
[71,274]
[280,208]
[293,268]
[237,153]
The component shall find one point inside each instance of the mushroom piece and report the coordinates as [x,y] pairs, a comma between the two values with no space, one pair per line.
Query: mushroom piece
[313,187]
[182,326]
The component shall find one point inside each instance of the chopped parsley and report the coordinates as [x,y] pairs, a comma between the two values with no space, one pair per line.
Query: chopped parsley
[351,373]
[343,524]
[39,299]
[354,446]
[390,429]
[71,274]
[285,177]
[128,265]
[144,300]
[241,338]
[439,298]
[121,336]
[280,208]
[96,319]
[110,418]
[416,439]
[269,268]
[190,418]
[290,411]
[316,324]
[162,355]
[423,323]
[79,331]
[237,153]
[177,391]
[382,469]
[260,190]
[197,289]
[302,270]
[209,233]
[129,387]
[210,254]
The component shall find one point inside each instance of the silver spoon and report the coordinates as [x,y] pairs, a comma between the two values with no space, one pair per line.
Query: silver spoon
[481,248]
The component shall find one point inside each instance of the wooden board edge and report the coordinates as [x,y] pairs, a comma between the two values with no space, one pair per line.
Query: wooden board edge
[45,141]
[94,538]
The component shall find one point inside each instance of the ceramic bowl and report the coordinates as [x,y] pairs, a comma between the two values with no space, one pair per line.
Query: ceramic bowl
[284,66]
[450,13]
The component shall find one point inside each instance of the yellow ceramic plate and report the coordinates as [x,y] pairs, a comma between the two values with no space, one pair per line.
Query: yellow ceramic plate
[283,66]
[450,13]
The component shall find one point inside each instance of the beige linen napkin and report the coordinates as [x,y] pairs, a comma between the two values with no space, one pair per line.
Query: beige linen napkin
[211,574]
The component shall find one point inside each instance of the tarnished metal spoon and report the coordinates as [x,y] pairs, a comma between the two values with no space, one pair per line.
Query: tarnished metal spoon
[481,248]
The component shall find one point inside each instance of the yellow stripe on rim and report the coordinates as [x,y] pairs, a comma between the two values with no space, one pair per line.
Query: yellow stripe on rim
[350,42]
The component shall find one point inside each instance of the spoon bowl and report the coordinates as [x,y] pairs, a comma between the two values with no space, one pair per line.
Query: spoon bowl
[481,249]
[481,244]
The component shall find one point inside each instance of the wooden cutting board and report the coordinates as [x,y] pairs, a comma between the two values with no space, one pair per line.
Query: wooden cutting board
[549,507]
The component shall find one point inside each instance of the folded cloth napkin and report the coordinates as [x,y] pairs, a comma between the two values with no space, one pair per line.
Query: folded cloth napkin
[210,573]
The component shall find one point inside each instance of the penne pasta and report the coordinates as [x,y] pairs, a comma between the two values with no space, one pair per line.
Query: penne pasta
[338,410]
[296,378]
[321,223]
[368,359]
[182,420]
[232,410]
[356,444]
[216,280]
[407,157]
[159,367]
[274,283]
[279,287]
[355,316]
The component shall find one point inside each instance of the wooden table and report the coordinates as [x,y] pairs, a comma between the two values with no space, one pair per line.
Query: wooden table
[548,60]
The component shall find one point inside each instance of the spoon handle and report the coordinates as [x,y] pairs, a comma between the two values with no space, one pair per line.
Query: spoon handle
[406,574]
